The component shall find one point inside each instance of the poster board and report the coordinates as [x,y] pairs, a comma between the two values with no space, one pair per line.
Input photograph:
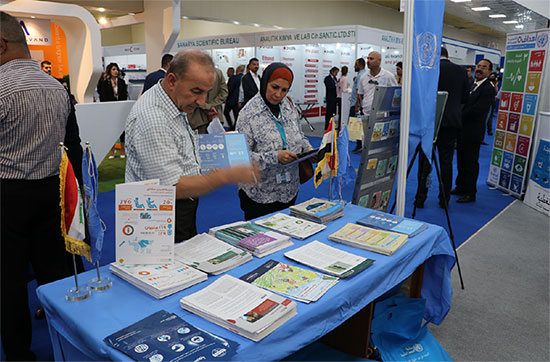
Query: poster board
[523,81]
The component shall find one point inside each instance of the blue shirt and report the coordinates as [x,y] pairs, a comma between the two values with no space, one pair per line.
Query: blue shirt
[353,98]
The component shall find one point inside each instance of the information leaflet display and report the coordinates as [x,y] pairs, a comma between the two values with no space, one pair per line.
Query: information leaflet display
[524,71]
[378,167]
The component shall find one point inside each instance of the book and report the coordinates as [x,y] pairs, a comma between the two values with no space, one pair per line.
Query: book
[164,336]
[223,151]
[302,156]
[159,280]
[329,260]
[291,281]
[317,210]
[240,307]
[254,238]
[398,224]
[209,254]
[378,241]
[291,226]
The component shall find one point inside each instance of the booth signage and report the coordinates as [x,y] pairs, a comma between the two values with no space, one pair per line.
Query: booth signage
[37,31]
[231,41]
[329,35]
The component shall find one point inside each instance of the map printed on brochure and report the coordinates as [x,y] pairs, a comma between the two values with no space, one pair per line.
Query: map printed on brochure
[291,281]
[223,151]
[164,336]
[145,223]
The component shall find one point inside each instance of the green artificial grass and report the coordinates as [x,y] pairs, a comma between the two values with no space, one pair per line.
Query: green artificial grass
[111,172]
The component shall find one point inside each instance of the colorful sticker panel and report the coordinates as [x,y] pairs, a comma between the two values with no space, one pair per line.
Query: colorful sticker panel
[496,158]
[513,122]
[519,165]
[517,99]
[536,61]
[502,120]
[504,101]
[523,146]
[507,161]
[526,125]
[504,180]
[529,104]
[533,83]
[516,71]
[515,184]
[499,139]
[510,142]
[494,174]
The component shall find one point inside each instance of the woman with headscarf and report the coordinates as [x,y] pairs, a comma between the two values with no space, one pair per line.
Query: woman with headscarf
[271,123]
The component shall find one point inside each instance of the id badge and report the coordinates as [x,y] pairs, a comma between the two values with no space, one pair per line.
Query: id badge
[283,177]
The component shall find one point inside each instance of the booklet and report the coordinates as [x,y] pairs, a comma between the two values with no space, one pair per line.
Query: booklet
[378,241]
[291,281]
[317,210]
[398,224]
[240,307]
[159,280]
[144,223]
[254,238]
[223,151]
[302,156]
[210,255]
[290,225]
[329,260]
[164,336]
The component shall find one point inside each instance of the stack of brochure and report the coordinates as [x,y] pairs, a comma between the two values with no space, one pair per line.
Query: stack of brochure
[378,241]
[159,280]
[240,307]
[317,210]
[164,336]
[291,281]
[210,255]
[329,260]
[256,239]
[291,226]
[398,224]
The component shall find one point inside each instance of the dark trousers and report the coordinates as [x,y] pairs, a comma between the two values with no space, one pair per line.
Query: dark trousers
[331,111]
[446,141]
[253,209]
[30,233]
[227,114]
[468,166]
[424,169]
[186,219]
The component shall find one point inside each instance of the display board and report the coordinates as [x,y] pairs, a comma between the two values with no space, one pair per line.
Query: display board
[524,71]
[538,188]
[378,166]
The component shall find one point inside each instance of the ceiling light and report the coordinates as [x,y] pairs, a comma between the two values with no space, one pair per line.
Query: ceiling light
[519,26]
[102,20]
[481,8]
[510,22]
[236,22]
[33,17]
[185,17]
[101,10]
[131,14]
[460,1]
[497,16]
[256,25]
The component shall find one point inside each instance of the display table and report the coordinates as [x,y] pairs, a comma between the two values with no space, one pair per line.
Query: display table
[77,329]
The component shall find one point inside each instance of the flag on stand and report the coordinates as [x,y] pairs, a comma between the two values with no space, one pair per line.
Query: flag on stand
[72,211]
[327,156]
[95,224]
[345,172]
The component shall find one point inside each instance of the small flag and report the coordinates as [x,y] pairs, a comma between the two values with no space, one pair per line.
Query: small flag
[328,160]
[95,224]
[346,172]
[72,211]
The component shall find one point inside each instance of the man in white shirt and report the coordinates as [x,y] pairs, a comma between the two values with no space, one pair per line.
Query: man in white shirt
[369,81]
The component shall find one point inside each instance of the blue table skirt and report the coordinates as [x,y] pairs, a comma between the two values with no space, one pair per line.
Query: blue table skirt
[84,324]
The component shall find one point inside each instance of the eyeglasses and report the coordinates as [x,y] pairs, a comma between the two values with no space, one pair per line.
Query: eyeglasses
[373,82]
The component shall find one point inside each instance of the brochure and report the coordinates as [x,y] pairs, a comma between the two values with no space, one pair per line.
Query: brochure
[302,156]
[383,242]
[223,151]
[329,260]
[398,224]
[145,216]
[240,307]
[317,210]
[164,336]
[291,281]
[290,225]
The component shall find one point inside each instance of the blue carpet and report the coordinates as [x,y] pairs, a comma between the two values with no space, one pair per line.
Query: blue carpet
[222,206]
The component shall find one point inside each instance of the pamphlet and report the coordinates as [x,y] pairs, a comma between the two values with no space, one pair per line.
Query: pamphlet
[145,222]
[317,210]
[290,225]
[378,241]
[302,156]
[329,260]
[164,336]
[291,281]
[223,151]
[398,224]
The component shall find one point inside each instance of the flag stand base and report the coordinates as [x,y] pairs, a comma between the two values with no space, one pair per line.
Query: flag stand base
[99,285]
[77,294]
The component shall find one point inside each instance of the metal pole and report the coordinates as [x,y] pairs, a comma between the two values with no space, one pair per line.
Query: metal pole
[75,274]
[405,107]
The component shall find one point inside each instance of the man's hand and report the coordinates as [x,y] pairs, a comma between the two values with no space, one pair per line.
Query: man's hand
[242,174]
[285,156]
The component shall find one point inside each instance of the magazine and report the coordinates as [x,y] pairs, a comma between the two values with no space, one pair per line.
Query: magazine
[317,210]
[379,241]
[398,224]
[290,225]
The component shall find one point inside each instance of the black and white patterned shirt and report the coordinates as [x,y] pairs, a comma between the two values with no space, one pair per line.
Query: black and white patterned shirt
[34,108]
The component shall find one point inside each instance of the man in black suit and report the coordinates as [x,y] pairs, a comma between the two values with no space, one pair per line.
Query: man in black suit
[154,77]
[232,101]
[471,135]
[250,82]
[330,95]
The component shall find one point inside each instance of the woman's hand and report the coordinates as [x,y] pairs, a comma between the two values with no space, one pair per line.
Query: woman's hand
[285,156]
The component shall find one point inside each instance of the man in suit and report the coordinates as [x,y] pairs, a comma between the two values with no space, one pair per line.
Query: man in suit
[454,80]
[250,82]
[471,135]
[203,115]
[232,102]
[154,77]
[330,94]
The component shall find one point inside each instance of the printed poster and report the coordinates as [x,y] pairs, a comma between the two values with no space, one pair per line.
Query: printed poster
[526,56]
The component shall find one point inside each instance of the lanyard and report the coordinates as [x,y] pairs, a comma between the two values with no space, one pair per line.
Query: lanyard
[280,125]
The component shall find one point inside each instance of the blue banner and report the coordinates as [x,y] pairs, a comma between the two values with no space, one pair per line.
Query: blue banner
[427,28]
[95,224]
[346,172]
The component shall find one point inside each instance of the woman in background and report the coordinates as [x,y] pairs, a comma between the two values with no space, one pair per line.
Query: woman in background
[399,73]
[113,88]
[271,123]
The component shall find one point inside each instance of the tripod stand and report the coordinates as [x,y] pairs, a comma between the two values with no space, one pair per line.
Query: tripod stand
[445,202]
